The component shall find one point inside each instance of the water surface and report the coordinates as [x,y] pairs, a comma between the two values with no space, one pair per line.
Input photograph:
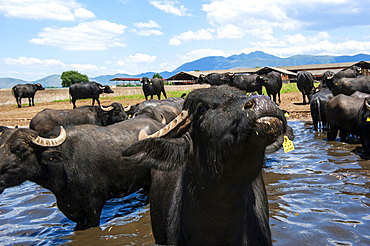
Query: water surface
[318,195]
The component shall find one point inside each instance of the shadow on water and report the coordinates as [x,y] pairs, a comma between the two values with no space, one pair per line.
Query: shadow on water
[318,195]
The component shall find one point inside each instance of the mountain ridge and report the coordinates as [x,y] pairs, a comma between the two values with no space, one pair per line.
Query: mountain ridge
[253,59]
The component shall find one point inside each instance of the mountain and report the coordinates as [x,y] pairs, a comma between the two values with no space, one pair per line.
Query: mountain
[254,59]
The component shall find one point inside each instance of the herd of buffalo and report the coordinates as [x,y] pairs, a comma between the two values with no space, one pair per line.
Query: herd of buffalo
[199,157]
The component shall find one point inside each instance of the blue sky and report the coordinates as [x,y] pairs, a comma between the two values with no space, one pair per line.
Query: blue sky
[43,37]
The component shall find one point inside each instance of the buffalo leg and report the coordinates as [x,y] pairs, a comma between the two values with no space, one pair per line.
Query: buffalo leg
[29,102]
[164,94]
[279,97]
[97,99]
[304,98]
[74,102]
[332,133]
[159,96]
[19,102]
[33,101]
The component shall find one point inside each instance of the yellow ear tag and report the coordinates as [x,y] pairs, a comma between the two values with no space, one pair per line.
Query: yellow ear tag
[286,114]
[368,119]
[129,115]
[287,145]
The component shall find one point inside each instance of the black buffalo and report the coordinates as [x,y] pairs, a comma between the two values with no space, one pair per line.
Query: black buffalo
[153,87]
[176,102]
[305,84]
[88,90]
[351,72]
[342,116]
[325,76]
[82,166]
[207,187]
[216,78]
[248,83]
[363,125]
[26,91]
[163,113]
[273,83]
[47,122]
[318,108]
[348,86]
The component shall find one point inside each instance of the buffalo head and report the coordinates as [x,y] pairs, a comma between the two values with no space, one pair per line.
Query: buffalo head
[19,151]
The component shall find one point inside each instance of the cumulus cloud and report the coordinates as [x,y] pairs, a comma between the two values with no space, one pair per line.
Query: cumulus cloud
[202,34]
[31,61]
[170,7]
[320,44]
[149,24]
[137,58]
[147,28]
[95,35]
[61,10]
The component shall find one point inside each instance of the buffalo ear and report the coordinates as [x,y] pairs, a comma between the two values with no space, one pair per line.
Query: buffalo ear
[159,153]
[52,157]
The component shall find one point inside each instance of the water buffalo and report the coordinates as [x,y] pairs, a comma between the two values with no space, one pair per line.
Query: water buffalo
[47,122]
[273,83]
[318,108]
[351,72]
[248,83]
[207,187]
[176,102]
[162,113]
[88,90]
[153,87]
[305,84]
[342,116]
[363,125]
[216,78]
[325,76]
[26,91]
[82,166]
[348,86]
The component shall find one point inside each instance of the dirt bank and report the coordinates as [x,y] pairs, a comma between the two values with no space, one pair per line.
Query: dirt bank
[11,115]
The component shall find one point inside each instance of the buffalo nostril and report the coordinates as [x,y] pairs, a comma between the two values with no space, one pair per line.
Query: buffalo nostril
[248,104]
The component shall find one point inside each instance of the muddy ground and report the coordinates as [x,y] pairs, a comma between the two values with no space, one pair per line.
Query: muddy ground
[11,115]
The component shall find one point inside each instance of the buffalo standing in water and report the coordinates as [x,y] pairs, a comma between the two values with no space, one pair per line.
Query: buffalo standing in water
[207,187]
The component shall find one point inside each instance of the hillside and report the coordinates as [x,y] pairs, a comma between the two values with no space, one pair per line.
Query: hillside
[254,59]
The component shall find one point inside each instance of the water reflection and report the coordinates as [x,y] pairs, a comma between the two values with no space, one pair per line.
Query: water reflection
[318,195]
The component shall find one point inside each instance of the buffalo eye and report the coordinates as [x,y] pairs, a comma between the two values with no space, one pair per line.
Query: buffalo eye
[202,110]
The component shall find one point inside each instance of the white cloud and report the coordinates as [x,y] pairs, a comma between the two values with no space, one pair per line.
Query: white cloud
[62,10]
[168,6]
[31,61]
[319,44]
[149,32]
[149,24]
[137,58]
[95,35]
[202,34]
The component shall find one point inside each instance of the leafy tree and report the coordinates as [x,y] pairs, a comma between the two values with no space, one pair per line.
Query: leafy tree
[156,75]
[72,77]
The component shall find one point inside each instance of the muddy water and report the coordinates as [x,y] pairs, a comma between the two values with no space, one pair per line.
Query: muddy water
[319,194]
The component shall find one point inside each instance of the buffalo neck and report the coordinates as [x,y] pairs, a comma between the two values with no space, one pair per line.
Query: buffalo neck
[224,207]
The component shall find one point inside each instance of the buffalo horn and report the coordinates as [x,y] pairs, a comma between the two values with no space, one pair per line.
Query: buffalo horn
[102,87]
[51,142]
[174,128]
[106,108]
[126,109]
[367,104]
[163,120]
[330,77]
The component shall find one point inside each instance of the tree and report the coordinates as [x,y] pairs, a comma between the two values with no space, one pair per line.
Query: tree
[72,77]
[156,75]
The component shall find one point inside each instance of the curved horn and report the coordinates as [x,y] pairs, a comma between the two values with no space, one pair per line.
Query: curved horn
[176,126]
[126,109]
[367,104]
[163,120]
[102,87]
[330,77]
[51,142]
[107,109]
